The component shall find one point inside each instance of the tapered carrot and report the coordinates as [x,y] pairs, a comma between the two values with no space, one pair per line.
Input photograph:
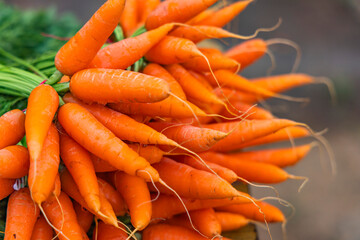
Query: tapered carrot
[78,162]
[42,230]
[250,211]
[43,171]
[114,197]
[176,11]
[137,197]
[14,162]
[146,8]
[281,157]
[129,17]
[12,128]
[64,78]
[42,106]
[93,136]
[206,222]
[83,216]
[125,53]
[62,215]
[6,187]
[116,85]
[56,190]
[231,221]
[108,232]
[21,215]
[79,51]
[206,185]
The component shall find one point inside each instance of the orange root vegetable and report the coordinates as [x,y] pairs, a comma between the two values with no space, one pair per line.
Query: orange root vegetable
[101,166]
[129,18]
[21,215]
[234,96]
[42,230]
[137,197]
[12,128]
[84,217]
[146,8]
[116,85]
[206,222]
[108,232]
[43,171]
[231,221]
[252,111]
[14,162]
[96,138]
[151,153]
[114,197]
[6,187]
[79,51]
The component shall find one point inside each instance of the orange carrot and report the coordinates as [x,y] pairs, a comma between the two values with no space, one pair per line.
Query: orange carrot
[231,221]
[6,187]
[206,222]
[237,96]
[14,162]
[137,197]
[62,215]
[43,171]
[146,8]
[56,189]
[108,232]
[125,53]
[42,230]
[78,162]
[84,217]
[114,197]
[201,78]
[93,136]
[64,79]
[176,11]
[78,52]
[252,111]
[151,153]
[21,215]
[42,106]
[128,19]
[12,128]
[116,85]
[101,166]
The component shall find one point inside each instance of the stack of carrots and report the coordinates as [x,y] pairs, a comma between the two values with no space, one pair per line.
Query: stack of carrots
[152,127]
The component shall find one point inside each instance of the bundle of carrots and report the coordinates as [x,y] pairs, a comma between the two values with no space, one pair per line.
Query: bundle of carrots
[147,126]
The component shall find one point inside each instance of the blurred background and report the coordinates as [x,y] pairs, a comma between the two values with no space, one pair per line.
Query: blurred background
[328,32]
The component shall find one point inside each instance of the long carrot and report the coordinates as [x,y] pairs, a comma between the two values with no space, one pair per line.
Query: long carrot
[231,221]
[93,136]
[116,85]
[42,230]
[78,52]
[6,187]
[129,17]
[12,128]
[84,217]
[114,197]
[176,11]
[21,215]
[42,106]
[14,162]
[108,232]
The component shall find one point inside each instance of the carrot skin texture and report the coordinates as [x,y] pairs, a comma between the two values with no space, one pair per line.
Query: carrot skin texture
[80,124]
[109,232]
[84,217]
[42,230]
[206,222]
[231,221]
[64,218]
[146,8]
[78,52]
[21,215]
[12,128]
[6,187]
[14,162]
[117,85]
[114,197]
[43,171]
[42,105]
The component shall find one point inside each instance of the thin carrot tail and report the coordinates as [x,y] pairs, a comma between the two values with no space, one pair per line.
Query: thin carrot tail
[328,83]
[260,185]
[132,234]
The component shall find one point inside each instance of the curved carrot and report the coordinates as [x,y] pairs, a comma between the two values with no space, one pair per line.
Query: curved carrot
[21,215]
[108,232]
[43,171]
[42,230]
[206,222]
[42,106]
[6,187]
[93,136]
[12,128]
[116,85]
[84,217]
[114,197]
[231,221]
[128,20]
[78,52]
[14,162]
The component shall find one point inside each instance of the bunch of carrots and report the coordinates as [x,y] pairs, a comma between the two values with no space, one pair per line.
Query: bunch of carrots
[146,124]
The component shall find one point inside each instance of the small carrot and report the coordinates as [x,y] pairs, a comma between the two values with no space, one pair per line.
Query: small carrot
[78,52]
[12,128]
[42,105]
[21,215]
[129,17]
[108,232]
[42,230]
[83,216]
[231,221]
[114,197]
[6,187]
[64,79]
[206,222]
[116,85]
[14,162]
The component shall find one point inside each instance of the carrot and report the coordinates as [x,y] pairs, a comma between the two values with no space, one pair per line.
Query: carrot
[56,189]
[43,171]
[93,136]
[42,106]
[79,51]
[114,197]
[281,157]
[14,162]
[246,130]
[137,197]
[83,216]
[250,211]
[203,15]
[6,187]
[62,215]
[116,85]
[100,165]
[42,230]
[194,183]
[109,232]
[176,11]
[201,78]
[21,215]
[128,19]
[146,8]
[12,128]
[151,153]
[252,111]
[125,53]
[231,221]
[77,160]
[236,96]
[64,79]
[206,222]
